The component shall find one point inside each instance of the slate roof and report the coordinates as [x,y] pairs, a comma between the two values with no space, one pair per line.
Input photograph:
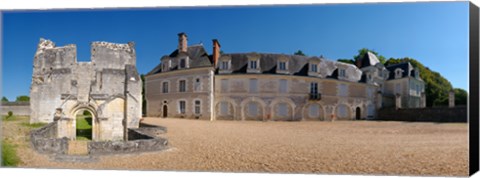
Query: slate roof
[368,59]
[197,54]
[297,65]
[407,68]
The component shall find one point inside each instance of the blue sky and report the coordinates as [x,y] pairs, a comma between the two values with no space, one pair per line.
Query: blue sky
[435,33]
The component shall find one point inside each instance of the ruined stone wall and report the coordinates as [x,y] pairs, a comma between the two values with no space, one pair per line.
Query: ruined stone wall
[17,108]
[156,99]
[108,86]
[233,98]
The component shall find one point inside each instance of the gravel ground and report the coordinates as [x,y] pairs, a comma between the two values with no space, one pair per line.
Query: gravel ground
[341,147]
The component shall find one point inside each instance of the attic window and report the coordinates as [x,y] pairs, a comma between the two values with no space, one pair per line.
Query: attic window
[398,73]
[224,65]
[282,65]
[341,72]
[252,64]
[313,68]
[182,63]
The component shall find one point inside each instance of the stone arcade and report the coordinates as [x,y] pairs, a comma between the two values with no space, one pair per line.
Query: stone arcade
[109,87]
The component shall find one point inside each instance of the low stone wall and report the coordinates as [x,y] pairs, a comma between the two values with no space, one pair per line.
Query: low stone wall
[138,142]
[44,140]
[431,114]
[18,108]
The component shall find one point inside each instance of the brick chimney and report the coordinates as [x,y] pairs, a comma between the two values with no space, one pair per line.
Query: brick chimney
[216,51]
[182,42]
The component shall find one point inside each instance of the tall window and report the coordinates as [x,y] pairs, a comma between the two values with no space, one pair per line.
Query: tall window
[165,87]
[253,64]
[282,109]
[181,107]
[397,88]
[252,109]
[342,90]
[283,86]
[313,68]
[313,110]
[313,88]
[224,65]
[182,86]
[198,85]
[253,85]
[182,63]
[197,107]
[282,65]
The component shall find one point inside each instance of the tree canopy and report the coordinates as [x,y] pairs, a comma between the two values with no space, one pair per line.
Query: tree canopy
[299,52]
[460,96]
[4,99]
[23,98]
[362,52]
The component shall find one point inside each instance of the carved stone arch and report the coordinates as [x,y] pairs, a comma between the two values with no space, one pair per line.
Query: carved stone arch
[277,101]
[232,106]
[343,110]
[321,111]
[244,108]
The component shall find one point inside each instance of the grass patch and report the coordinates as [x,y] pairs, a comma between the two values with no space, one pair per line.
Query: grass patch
[84,127]
[34,125]
[9,154]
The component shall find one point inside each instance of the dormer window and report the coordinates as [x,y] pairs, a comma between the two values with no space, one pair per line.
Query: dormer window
[313,68]
[341,73]
[398,73]
[253,66]
[183,63]
[282,66]
[225,65]
[166,65]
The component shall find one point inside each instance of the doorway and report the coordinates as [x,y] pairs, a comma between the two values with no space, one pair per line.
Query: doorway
[165,111]
[84,125]
[358,113]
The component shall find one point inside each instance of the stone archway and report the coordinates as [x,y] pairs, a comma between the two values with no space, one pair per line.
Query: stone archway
[95,124]
[313,111]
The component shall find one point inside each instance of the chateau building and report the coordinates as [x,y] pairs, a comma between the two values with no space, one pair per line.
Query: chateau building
[190,83]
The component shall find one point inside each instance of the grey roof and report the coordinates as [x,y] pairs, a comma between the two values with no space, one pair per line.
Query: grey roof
[197,54]
[368,59]
[407,68]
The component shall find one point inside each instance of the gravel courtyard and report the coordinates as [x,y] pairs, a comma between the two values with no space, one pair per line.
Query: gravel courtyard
[341,147]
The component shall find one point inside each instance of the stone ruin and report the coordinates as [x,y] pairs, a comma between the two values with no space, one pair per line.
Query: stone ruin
[109,87]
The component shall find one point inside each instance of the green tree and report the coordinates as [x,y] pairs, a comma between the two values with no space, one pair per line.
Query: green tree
[348,61]
[4,99]
[299,52]
[23,98]
[460,96]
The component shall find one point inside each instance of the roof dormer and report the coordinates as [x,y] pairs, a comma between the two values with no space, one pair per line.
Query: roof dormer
[253,65]
[282,65]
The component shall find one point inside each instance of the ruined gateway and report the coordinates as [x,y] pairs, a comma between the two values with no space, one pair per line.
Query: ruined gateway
[109,87]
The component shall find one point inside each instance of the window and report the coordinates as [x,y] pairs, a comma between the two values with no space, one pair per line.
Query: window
[418,89]
[398,73]
[182,86]
[223,108]
[181,107]
[198,85]
[341,72]
[182,63]
[224,85]
[313,88]
[165,87]
[224,65]
[370,110]
[253,85]
[313,68]
[253,64]
[283,86]
[342,111]
[282,65]
[282,110]
[197,107]
[252,109]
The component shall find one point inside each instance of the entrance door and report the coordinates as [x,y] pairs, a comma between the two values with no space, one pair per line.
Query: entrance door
[165,111]
[358,113]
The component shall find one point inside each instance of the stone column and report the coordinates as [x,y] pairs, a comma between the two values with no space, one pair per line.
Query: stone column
[451,99]
[423,100]
[398,101]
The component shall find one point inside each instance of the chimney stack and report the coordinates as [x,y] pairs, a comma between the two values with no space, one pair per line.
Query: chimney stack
[182,42]
[216,51]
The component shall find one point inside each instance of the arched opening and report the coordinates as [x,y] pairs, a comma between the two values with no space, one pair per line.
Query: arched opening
[165,111]
[84,125]
[358,113]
